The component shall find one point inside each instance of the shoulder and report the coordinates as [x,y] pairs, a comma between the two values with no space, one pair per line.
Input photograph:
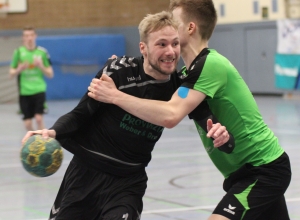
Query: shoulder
[209,60]
[21,48]
[122,65]
[216,58]
[128,61]
[43,49]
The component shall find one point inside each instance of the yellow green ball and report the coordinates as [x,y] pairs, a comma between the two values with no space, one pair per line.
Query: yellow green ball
[41,157]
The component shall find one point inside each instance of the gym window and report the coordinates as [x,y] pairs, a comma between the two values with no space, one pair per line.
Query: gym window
[255,7]
[222,10]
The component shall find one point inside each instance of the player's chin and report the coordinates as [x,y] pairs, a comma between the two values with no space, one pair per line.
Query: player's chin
[169,68]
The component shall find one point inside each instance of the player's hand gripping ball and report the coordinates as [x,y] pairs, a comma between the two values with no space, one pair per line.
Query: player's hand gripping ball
[41,157]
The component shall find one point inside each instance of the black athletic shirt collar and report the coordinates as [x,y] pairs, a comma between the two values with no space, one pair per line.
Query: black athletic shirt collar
[203,52]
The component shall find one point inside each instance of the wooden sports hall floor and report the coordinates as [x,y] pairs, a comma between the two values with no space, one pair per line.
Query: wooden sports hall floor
[183,183]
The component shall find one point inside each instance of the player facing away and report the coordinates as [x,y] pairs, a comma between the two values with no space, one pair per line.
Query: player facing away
[106,178]
[31,63]
[257,172]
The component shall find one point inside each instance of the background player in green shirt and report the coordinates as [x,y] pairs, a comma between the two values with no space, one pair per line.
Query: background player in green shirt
[30,63]
[257,172]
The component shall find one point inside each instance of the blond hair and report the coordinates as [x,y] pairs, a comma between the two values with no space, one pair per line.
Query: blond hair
[155,22]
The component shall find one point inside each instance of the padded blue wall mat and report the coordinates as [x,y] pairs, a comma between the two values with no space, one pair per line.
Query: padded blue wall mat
[76,60]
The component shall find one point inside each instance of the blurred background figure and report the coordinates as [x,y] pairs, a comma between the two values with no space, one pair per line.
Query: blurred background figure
[30,63]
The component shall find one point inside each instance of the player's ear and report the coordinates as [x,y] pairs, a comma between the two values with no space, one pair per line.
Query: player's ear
[143,48]
[191,28]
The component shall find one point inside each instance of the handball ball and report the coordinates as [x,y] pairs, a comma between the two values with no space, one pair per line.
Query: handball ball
[41,157]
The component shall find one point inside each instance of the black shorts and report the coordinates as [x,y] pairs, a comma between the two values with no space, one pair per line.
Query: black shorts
[257,193]
[32,104]
[90,194]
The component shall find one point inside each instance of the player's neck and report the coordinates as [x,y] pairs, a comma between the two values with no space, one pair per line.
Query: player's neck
[191,51]
[30,47]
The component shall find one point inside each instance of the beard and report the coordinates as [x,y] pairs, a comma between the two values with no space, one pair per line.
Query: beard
[156,67]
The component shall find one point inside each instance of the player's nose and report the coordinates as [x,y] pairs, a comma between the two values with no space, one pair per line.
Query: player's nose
[170,50]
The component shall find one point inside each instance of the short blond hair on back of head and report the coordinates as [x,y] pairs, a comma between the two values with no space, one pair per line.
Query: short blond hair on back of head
[155,22]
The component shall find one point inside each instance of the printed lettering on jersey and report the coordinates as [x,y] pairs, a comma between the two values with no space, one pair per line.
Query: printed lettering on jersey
[141,127]
[134,78]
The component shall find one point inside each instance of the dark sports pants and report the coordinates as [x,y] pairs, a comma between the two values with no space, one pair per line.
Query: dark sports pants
[31,105]
[257,193]
[90,194]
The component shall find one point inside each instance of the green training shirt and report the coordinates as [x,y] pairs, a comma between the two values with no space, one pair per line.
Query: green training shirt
[231,101]
[31,80]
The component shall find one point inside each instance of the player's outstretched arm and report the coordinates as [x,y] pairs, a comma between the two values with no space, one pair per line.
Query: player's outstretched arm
[166,114]
[45,133]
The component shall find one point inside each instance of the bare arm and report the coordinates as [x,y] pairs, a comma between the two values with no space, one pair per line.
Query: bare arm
[166,114]
[48,71]
[16,71]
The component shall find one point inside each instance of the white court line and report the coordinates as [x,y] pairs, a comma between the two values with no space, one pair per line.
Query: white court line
[196,208]
[186,209]
[14,165]
[178,209]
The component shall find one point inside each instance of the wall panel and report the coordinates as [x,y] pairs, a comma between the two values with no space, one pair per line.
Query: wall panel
[78,13]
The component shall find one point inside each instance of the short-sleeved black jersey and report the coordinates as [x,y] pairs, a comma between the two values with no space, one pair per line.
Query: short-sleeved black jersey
[106,136]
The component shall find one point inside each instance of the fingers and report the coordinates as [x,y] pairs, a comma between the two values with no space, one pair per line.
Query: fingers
[113,57]
[105,77]
[95,84]
[214,130]
[209,124]
[217,132]
[93,88]
[23,66]
[29,134]
[221,139]
[102,89]
[91,95]
[45,133]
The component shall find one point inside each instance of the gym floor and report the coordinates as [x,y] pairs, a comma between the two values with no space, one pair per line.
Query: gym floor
[183,183]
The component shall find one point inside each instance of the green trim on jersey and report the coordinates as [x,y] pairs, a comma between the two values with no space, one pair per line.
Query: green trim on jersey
[230,99]
[31,79]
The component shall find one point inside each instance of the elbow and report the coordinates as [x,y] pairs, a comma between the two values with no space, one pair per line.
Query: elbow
[50,75]
[49,72]
[171,122]
[11,74]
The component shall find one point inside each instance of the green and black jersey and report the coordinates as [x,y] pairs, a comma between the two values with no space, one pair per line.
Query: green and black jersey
[231,101]
[31,80]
